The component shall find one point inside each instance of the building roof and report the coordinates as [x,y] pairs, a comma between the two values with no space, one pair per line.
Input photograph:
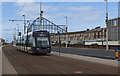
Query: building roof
[114,18]
[85,31]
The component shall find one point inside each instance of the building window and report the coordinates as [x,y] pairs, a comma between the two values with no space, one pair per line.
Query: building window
[113,36]
[119,36]
[119,21]
[119,29]
[115,22]
[116,29]
[111,23]
[116,36]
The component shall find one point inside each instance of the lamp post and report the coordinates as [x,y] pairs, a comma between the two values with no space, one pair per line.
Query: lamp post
[15,36]
[107,47]
[18,28]
[24,24]
[59,43]
[66,33]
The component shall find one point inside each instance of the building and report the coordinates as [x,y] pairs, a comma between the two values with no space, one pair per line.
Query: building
[2,41]
[114,29]
[81,36]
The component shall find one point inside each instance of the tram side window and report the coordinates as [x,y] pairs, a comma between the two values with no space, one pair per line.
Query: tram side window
[30,41]
[22,41]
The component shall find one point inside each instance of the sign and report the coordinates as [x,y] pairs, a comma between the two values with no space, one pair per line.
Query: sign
[116,53]
[42,35]
[116,50]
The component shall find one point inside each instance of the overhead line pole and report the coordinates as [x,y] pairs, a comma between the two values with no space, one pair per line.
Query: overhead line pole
[66,33]
[24,24]
[107,47]
[18,28]
[15,36]
[40,15]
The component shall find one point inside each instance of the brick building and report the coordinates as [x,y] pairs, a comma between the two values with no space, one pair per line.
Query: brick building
[2,41]
[80,36]
[114,29]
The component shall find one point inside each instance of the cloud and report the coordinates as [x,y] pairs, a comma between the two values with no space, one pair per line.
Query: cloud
[0,29]
[32,9]
[0,19]
[77,16]
[60,0]
[82,8]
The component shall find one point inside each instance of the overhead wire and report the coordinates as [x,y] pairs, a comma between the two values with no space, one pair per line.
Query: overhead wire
[53,5]
[20,10]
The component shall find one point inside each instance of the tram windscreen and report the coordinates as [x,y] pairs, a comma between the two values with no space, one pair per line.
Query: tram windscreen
[42,42]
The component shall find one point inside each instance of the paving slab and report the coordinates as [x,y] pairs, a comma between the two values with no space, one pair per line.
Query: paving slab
[0,60]
[6,68]
[90,59]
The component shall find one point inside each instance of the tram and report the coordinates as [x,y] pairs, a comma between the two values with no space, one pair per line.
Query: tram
[36,42]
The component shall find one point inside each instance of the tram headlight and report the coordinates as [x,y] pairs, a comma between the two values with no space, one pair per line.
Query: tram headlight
[38,49]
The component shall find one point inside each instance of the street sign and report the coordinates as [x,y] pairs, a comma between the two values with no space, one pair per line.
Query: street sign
[116,50]
[116,53]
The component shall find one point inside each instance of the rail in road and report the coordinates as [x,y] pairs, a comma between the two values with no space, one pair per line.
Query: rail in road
[25,63]
[87,52]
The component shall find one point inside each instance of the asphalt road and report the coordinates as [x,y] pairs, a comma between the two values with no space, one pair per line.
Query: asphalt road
[87,52]
[24,63]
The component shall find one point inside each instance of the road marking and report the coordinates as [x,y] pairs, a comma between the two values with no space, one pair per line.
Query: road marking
[20,61]
[61,71]
[78,72]
[108,56]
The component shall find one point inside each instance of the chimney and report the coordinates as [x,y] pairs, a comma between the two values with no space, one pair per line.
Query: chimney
[87,29]
[97,27]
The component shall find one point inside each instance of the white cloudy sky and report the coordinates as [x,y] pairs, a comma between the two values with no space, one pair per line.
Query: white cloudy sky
[81,15]
[0,20]
[59,0]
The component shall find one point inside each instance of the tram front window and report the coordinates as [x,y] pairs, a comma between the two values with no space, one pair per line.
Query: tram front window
[42,42]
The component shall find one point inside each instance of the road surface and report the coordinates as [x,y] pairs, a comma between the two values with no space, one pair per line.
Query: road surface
[24,63]
[87,52]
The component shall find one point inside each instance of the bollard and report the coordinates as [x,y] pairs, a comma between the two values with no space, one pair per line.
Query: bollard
[116,53]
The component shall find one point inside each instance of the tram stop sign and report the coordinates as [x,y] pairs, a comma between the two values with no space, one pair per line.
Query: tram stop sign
[116,53]
[116,50]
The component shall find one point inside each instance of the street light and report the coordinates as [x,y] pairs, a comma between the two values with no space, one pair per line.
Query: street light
[66,32]
[15,36]
[24,24]
[18,28]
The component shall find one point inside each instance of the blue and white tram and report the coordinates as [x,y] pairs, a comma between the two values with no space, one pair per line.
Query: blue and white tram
[36,42]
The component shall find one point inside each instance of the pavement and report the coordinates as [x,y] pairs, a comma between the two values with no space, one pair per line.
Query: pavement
[7,67]
[90,59]
[99,53]
[0,60]
[24,63]
[91,48]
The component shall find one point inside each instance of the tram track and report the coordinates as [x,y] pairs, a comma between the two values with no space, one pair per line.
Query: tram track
[56,69]
[17,60]
[41,64]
